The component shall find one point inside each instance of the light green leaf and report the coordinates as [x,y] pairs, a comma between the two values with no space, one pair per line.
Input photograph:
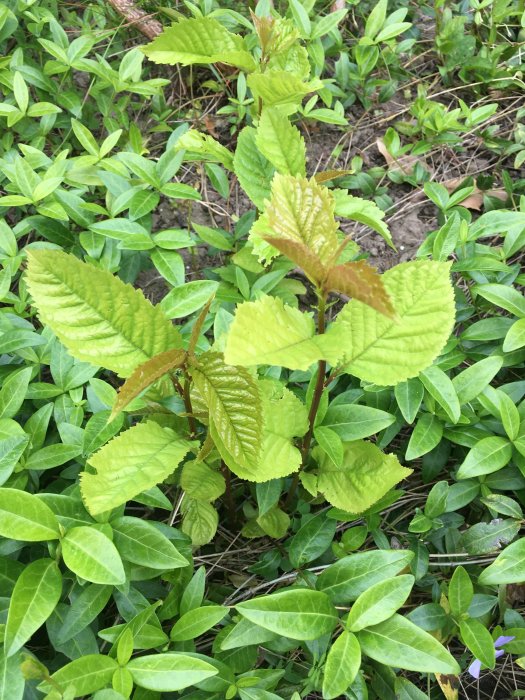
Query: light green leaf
[269,332]
[302,211]
[200,40]
[83,306]
[201,481]
[281,142]
[24,517]
[12,681]
[471,381]
[200,521]
[349,577]
[365,475]
[87,674]
[399,643]
[169,672]
[387,351]
[342,664]
[488,455]
[204,147]
[187,298]
[279,87]
[13,392]
[478,639]
[139,542]
[460,591]
[296,614]
[35,595]
[135,461]
[196,622]
[84,609]
[234,404]
[502,295]
[509,566]
[363,211]
[253,170]
[409,395]
[515,337]
[283,417]
[91,555]
[379,602]
[440,387]
[275,522]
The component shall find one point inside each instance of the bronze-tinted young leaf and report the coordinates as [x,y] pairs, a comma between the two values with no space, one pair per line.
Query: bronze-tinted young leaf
[301,210]
[302,256]
[234,403]
[328,175]
[361,281]
[145,375]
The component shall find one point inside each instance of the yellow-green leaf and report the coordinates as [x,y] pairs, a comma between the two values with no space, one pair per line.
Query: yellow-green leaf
[387,351]
[135,461]
[199,40]
[99,318]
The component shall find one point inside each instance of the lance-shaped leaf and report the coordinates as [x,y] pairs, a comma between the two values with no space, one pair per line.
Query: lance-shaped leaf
[362,282]
[234,405]
[365,475]
[301,210]
[268,332]
[135,461]
[95,315]
[199,40]
[281,142]
[284,417]
[387,351]
[204,147]
[253,170]
[362,211]
[144,375]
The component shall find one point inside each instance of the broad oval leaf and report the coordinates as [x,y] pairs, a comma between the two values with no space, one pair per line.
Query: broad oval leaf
[379,602]
[87,674]
[388,351]
[298,614]
[91,555]
[399,643]
[342,664]
[95,315]
[478,639]
[133,462]
[253,170]
[352,421]
[139,542]
[169,672]
[35,595]
[488,456]
[195,622]
[345,580]
[508,567]
[25,517]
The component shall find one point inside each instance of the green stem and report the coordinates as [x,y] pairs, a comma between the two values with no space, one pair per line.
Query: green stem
[316,399]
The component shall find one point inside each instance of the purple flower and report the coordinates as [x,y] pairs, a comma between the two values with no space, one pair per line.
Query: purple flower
[475,667]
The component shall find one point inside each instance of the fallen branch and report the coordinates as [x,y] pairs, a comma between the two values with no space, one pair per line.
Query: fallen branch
[138,18]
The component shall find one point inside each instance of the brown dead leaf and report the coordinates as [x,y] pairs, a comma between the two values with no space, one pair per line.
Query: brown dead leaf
[474,200]
[404,164]
[449,685]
